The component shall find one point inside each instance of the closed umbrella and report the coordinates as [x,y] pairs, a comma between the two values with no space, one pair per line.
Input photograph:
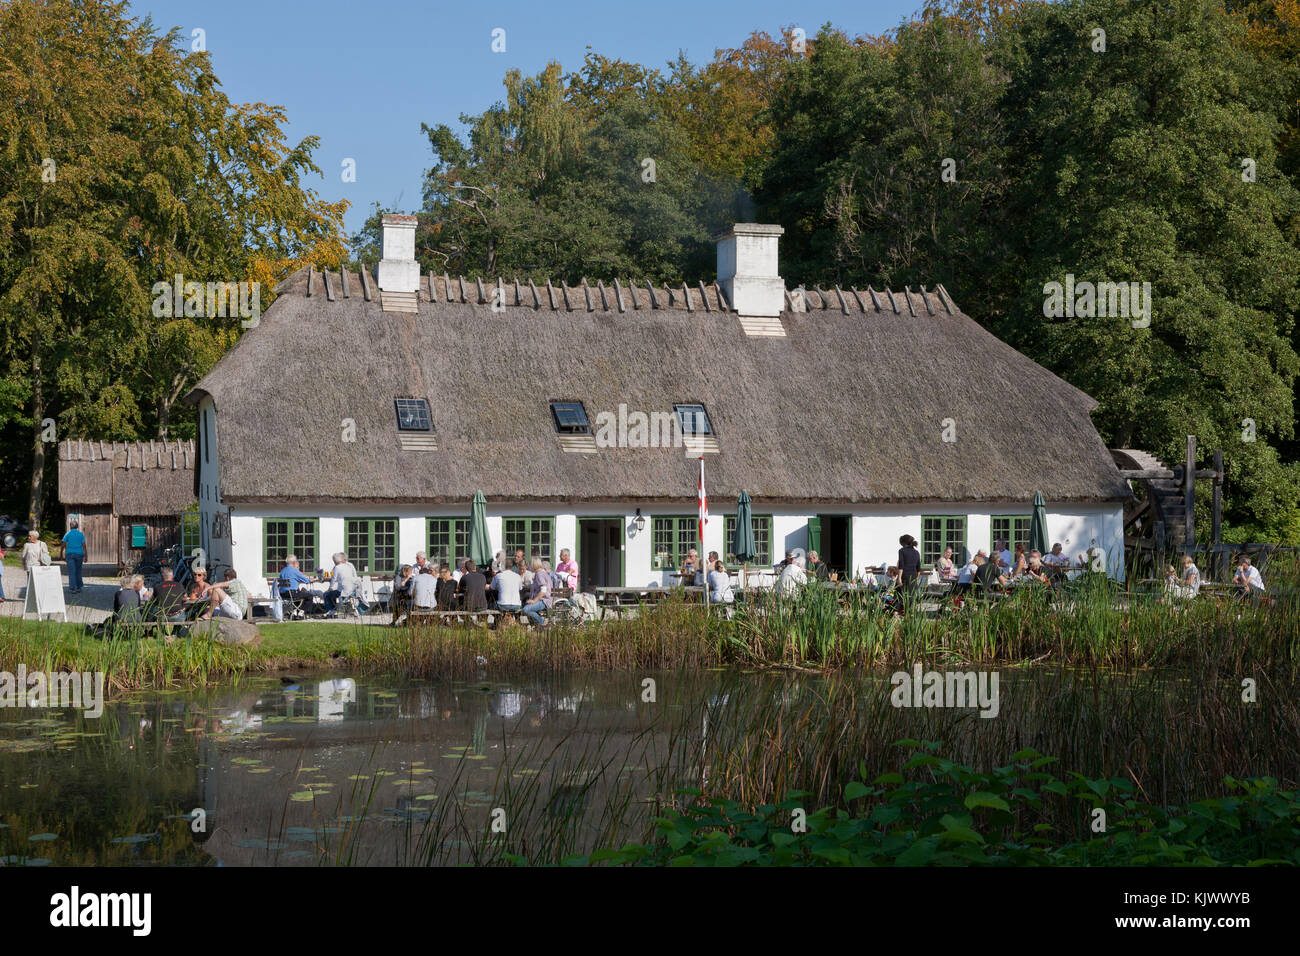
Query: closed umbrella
[745,546]
[480,545]
[1038,526]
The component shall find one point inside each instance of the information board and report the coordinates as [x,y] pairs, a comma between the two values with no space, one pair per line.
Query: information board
[45,592]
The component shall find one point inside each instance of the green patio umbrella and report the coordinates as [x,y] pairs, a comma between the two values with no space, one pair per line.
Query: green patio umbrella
[1038,526]
[744,544]
[480,544]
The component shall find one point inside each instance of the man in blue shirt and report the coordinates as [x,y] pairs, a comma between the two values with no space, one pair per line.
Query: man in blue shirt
[74,553]
[292,580]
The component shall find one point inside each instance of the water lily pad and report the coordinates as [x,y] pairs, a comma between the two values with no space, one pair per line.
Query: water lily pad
[245,760]
[259,769]
[302,796]
[42,837]
[37,861]
[359,776]
[427,796]
[308,769]
[134,838]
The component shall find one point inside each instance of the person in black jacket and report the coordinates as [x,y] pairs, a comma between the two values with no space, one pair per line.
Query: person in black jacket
[909,563]
[446,588]
[473,585]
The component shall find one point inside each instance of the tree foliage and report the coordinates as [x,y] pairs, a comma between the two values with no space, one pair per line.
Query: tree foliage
[122,164]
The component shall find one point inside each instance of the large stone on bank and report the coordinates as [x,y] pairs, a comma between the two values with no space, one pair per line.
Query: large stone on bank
[232,633]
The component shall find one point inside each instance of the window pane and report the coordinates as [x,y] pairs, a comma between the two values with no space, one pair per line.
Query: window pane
[412,415]
[570,417]
[663,541]
[277,546]
[304,544]
[694,419]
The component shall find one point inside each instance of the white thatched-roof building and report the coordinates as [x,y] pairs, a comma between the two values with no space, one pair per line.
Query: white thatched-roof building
[364,411]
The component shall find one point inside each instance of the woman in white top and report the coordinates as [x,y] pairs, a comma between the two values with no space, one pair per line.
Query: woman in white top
[34,551]
[720,585]
[1191,579]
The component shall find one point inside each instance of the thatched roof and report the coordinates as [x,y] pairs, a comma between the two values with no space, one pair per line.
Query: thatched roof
[136,478]
[848,406]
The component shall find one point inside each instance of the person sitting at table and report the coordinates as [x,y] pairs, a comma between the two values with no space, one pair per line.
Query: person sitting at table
[817,567]
[291,579]
[446,588]
[1094,559]
[347,584]
[498,562]
[421,562]
[168,599]
[473,588]
[229,599]
[199,589]
[507,585]
[792,578]
[1019,560]
[425,588]
[988,576]
[539,593]
[1057,556]
[690,567]
[566,572]
[1034,569]
[1249,582]
[966,578]
[399,600]
[127,602]
[720,591]
[946,567]
[1188,584]
[889,579]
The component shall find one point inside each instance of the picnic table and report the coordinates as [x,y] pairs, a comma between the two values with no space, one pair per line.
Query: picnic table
[617,600]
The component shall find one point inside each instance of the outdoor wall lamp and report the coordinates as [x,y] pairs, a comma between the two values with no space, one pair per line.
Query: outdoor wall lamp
[639,521]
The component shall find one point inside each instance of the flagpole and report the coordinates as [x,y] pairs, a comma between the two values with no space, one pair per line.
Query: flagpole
[704,519]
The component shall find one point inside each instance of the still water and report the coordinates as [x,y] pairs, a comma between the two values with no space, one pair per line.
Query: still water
[344,770]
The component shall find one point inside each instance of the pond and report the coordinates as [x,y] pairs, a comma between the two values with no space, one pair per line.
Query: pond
[345,770]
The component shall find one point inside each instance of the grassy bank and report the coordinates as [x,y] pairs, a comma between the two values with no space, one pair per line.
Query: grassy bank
[1088,628]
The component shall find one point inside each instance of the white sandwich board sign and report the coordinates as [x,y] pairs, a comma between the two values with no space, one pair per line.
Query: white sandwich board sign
[45,593]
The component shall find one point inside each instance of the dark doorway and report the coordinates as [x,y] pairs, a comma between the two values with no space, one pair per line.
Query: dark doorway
[600,552]
[836,543]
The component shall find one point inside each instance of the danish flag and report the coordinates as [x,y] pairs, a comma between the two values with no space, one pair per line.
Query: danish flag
[704,504]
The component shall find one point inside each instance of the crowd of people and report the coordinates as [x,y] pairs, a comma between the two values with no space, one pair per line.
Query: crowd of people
[516,585]
[170,602]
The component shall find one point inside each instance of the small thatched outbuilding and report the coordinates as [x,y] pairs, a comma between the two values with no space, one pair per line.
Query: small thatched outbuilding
[364,410]
[128,496]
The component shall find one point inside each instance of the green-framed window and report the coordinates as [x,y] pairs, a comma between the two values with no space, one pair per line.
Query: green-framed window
[282,537]
[1013,529]
[534,535]
[371,544]
[762,539]
[672,536]
[942,531]
[191,530]
[448,541]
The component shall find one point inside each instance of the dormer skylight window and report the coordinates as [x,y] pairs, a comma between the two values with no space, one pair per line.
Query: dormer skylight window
[412,415]
[570,418]
[694,419]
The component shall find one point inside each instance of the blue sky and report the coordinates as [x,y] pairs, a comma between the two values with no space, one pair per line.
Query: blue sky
[363,76]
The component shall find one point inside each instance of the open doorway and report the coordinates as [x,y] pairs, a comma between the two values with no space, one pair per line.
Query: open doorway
[600,552]
[836,544]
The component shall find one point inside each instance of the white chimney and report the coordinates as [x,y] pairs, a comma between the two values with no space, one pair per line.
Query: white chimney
[398,270]
[747,269]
